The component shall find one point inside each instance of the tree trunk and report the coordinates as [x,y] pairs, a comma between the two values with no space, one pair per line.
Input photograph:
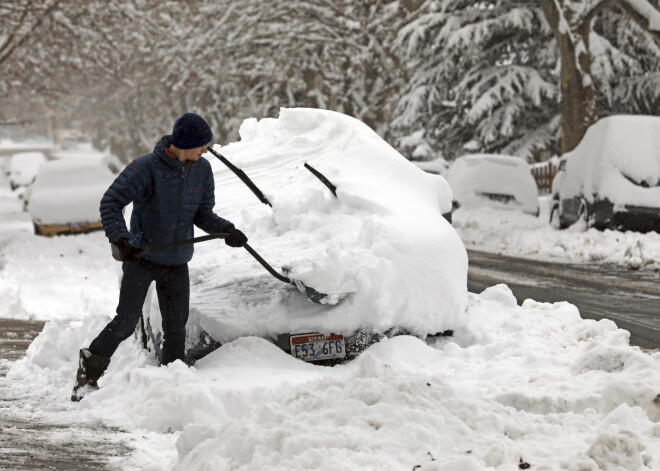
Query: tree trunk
[577,106]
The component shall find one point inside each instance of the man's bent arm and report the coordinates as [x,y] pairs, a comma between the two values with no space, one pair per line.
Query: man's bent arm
[127,186]
[205,218]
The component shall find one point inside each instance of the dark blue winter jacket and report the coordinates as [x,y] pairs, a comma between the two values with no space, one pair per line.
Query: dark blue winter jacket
[168,198]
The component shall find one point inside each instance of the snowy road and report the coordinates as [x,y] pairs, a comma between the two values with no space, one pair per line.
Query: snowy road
[627,297]
[29,442]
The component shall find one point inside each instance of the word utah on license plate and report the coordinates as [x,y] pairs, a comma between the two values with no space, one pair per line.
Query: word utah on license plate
[312,347]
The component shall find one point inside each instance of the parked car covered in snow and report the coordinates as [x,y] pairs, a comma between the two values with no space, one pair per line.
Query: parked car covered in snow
[23,168]
[612,178]
[501,181]
[370,233]
[66,194]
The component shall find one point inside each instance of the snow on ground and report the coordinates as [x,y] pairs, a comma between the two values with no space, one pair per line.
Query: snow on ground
[531,383]
[521,235]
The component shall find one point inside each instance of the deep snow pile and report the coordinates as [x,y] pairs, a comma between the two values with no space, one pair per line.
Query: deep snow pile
[383,238]
[522,235]
[518,384]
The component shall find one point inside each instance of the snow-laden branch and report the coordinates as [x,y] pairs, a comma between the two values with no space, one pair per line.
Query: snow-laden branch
[493,88]
[644,13]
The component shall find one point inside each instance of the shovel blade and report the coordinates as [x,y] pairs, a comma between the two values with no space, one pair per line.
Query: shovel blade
[318,297]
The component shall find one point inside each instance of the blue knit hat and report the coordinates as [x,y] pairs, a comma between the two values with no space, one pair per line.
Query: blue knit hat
[190,131]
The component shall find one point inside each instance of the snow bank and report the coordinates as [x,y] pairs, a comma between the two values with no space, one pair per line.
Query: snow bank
[383,238]
[517,384]
[56,278]
[522,235]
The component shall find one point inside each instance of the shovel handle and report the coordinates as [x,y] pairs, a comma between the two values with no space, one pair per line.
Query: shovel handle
[116,254]
[217,235]
[265,264]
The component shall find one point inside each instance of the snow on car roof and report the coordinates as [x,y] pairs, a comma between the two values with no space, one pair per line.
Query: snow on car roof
[23,166]
[69,191]
[470,176]
[629,142]
[614,151]
[356,242]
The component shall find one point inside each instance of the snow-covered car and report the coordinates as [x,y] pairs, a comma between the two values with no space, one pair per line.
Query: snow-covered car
[501,181]
[85,150]
[66,194]
[378,237]
[612,178]
[23,168]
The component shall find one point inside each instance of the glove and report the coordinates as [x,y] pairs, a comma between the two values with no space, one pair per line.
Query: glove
[235,238]
[127,252]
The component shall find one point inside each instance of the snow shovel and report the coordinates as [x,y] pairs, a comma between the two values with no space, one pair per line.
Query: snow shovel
[311,293]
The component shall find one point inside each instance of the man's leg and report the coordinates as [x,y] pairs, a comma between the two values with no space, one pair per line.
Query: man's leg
[134,286]
[95,359]
[173,289]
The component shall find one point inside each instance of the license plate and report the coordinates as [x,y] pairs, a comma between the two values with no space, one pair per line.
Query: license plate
[78,227]
[312,347]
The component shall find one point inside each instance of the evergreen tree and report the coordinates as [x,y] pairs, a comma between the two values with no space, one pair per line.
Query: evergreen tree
[489,75]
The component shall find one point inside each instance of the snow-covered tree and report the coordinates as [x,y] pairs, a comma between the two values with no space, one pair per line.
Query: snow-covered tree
[20,22]
[514,75]
[483,74]
[480,70]
[320,53]
[230,60]
[572,22]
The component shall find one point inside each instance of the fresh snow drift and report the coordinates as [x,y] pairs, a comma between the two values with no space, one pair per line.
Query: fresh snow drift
[383,238]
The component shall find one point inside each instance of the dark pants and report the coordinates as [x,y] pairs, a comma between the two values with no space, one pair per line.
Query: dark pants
[173,289]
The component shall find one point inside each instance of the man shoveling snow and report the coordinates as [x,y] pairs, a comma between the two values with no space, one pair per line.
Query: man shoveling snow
[171,190]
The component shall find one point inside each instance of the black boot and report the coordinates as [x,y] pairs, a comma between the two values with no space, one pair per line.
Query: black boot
[90,368]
